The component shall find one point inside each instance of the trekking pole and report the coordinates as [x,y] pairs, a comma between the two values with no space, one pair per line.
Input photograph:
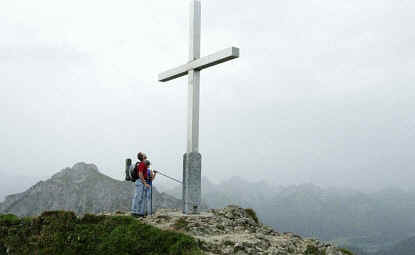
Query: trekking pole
[150,182]
[171,178]
[151,198]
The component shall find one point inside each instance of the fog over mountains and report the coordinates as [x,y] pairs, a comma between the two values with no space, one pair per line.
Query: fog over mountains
[368,223]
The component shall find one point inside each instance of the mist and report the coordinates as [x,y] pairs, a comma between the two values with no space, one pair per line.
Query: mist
[323,91]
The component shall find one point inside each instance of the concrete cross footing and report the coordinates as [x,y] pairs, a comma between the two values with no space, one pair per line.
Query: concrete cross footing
[192,166]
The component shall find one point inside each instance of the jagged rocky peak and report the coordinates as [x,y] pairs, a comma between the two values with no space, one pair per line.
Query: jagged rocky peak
[78,173]
[81,189]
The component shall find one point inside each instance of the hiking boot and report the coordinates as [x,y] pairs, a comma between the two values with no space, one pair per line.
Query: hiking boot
[136,215]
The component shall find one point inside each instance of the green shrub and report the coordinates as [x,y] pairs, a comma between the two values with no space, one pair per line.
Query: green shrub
[9,219]
[251,213]
[62,232]
[346,251]
[92,219]
[313,250]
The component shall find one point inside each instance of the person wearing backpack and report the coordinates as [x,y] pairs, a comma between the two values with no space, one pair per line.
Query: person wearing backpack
[139,174]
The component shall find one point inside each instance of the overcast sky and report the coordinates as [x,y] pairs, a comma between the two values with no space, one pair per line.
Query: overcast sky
[324,90]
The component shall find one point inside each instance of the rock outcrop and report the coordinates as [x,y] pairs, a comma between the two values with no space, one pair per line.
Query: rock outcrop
[81,189]
[234,230]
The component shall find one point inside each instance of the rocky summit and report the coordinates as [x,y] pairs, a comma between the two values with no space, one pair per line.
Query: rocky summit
[81,189]
[234,230]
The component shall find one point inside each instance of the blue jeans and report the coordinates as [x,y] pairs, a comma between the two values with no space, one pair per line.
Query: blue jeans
[139,198]
[141,203]
[147,208]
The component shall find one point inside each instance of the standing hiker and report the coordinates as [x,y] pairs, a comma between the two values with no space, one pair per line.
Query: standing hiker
[151,175]
[139,199]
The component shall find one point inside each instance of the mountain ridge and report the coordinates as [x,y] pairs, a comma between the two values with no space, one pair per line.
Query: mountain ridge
[82,189]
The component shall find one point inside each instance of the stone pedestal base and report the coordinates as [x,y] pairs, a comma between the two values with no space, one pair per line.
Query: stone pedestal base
[192,166]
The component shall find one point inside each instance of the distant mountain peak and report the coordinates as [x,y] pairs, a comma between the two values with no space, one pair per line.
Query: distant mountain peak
[78,173]
[84,166]
[82,189]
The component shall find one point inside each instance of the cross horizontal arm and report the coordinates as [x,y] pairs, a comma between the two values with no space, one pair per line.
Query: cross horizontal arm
[199,64]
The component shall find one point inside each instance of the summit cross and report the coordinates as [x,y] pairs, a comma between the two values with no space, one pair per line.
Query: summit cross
[192,159]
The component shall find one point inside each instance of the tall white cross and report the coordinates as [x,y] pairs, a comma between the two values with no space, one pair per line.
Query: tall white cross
[192,158]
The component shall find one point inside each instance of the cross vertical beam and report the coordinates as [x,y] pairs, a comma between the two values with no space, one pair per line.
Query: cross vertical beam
[193,112]
[195,24]
[192,160]
[194,79]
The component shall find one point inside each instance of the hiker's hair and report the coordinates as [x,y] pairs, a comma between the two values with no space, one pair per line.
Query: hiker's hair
[147,162]
[140,156]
